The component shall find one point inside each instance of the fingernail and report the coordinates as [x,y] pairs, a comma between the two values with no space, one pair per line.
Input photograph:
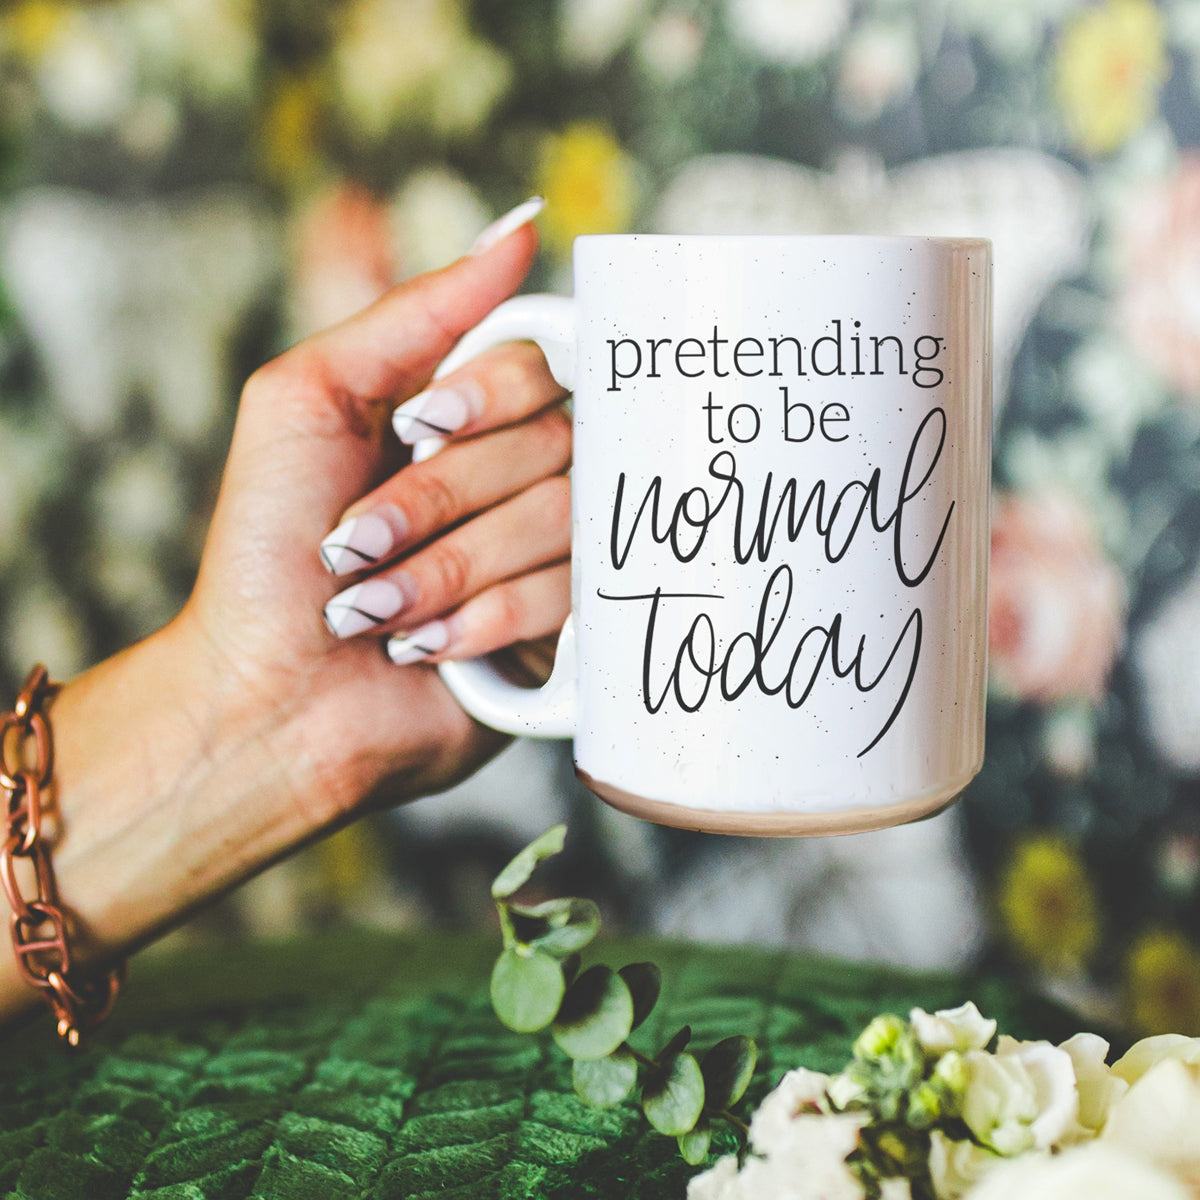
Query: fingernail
[363,606]
[512,220]
[405,648]
[362,541]
[438,412]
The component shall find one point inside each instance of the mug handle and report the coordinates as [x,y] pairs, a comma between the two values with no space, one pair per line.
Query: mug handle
[477,684]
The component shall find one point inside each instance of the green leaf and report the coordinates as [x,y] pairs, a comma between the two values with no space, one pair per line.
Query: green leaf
[522,866]
[676,1044]
[673,1096]
[693,1145]
[728,1068]
[527,989]
[596,1014]
[570,968]
[644,981]
[603,1082]
[559,927]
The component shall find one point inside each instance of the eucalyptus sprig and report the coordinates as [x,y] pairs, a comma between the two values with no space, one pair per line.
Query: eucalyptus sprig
[537,982]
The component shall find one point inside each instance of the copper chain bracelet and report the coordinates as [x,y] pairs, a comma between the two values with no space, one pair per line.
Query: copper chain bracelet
[40,933]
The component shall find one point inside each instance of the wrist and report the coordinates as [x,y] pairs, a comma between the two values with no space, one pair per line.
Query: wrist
[165,794]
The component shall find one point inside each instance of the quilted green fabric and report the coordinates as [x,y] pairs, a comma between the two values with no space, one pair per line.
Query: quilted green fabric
[371,1067]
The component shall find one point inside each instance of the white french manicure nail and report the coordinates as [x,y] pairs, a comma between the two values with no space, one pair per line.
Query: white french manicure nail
[419,645]
[360,542]
[438,412]
[363,606]
[512,220]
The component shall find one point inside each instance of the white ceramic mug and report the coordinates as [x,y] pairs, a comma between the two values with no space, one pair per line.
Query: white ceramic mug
[780,528]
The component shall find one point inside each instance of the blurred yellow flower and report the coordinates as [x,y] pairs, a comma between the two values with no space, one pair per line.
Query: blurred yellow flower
[588,183]
[349,863]
[31,26]
[1110,63]
[416,64]
[1162,976]
[291,125]
[1047,903]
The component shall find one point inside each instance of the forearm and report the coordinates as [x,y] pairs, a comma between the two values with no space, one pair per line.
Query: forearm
[164,795]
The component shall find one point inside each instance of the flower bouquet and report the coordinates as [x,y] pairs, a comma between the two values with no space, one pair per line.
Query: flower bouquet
[925,1109]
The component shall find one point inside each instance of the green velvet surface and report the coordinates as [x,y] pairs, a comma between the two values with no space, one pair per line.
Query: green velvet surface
[372,1067]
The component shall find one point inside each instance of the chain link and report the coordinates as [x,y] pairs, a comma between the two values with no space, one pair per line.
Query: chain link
[40,926]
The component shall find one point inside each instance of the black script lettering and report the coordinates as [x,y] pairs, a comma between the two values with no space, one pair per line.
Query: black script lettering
[835,522]
[938,417]
[687,645]
[819,649]
[694,508]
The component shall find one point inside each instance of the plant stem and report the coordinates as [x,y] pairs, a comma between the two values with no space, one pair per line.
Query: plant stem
[644,1059]
[736,1122]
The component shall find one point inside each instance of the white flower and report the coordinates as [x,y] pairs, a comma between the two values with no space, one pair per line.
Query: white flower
[799,1091]
[1152,1050]
[820,1174]
[435,217]
[1069,738]
[1022,1097]
[843,1091]
[812,1165]
[1158,1119]
[963,1028]
[136,500]
[1115,387]
[671,45]
[719,1182]
[789,32]
[879,67]
[414,62]
[1099,1089]
[209,45]
[1015,28]
[43,627]
[1092,1172]
[955,1166]
[132,583]
[87,75]
[590,32]
[156,292]
[799,1153]
[1167,657]
[32,467]
[150,126]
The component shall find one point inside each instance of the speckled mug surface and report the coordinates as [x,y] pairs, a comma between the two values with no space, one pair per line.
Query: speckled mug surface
[780,527]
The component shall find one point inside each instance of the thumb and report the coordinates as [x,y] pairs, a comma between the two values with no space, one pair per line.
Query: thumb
[389,350]
[341,384]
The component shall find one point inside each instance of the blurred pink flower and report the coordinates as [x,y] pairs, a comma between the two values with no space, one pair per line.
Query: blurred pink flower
[1056,604]
[1159,304]
[343,256]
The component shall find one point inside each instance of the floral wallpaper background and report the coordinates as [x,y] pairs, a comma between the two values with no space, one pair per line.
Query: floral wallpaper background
[187,186]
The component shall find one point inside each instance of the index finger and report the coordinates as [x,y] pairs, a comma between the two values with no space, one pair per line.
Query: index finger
[502,386]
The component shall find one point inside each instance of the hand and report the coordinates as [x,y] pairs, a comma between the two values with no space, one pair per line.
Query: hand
[246,726]
[456,555]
